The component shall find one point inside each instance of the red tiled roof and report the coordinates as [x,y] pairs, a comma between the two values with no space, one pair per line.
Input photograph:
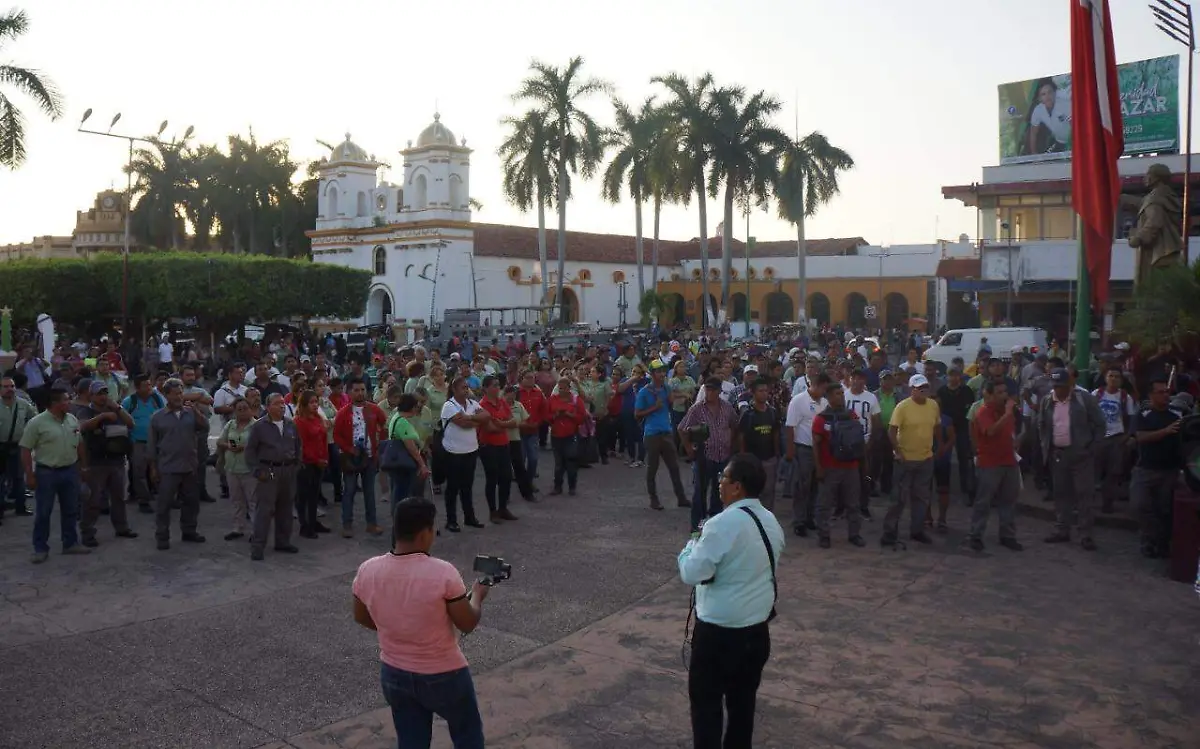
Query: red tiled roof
[960,267]
[500,240]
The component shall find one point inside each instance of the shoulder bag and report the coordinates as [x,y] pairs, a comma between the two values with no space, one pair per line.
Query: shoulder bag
[770,555]
[393,453]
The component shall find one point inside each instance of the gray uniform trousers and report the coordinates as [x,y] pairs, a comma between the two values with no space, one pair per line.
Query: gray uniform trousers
[201,464]
[174,487]
[139,463]
[804,487]
[996,487]
[661,448]
[913,487]
[102,477]
[840,488]
[1073,477]
[274,497]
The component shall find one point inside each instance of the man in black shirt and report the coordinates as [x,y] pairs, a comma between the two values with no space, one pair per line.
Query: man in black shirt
[955,400]
[1159,461]
[758,434]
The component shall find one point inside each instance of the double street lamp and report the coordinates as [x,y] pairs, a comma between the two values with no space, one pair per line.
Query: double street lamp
[131,139]
[622,302]
[1174,18]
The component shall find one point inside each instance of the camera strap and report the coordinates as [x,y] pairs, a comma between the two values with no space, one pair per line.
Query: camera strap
[770,555]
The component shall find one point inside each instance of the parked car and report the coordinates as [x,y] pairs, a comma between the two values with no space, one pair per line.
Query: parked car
[966,342]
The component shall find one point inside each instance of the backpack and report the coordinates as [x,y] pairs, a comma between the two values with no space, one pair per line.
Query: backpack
[847,443]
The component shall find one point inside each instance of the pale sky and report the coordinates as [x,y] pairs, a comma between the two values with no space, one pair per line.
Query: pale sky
[909,89]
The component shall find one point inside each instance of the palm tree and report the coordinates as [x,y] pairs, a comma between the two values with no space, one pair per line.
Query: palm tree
[692,109]
[808,180]
[29,82]
[163,186]
[528,174]
[745,160]
[634,140]
[577,141]
[251,182]
[665,170]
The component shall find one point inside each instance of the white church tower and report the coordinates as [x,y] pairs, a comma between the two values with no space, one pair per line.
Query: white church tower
[437,176]
[347,191]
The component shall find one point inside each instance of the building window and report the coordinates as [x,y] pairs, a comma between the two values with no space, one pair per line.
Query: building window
[1058,222]
[380,261]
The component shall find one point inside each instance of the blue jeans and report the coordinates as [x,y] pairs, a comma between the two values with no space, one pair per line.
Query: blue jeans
[529,448]
[712,479]
[633,437]
[416,698]
[350,487]
[62,483]
[402,484]
[12,480]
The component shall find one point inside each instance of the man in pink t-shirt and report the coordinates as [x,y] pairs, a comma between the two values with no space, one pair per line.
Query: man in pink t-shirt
[415,603]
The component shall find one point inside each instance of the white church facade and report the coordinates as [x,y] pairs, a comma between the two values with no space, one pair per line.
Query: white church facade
[427,255]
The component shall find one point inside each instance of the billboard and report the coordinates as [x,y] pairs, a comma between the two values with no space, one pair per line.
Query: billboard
[1035,116]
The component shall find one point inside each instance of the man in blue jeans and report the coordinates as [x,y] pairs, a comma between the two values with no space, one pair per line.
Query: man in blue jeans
[721,421]
[15,413]
[415,602]
[52,453]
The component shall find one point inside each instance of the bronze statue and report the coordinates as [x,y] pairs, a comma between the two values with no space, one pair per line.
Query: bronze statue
[1157,237]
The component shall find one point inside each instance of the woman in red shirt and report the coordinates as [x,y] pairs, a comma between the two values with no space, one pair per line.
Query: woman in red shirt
[493,450]
[314,456]
[567,412]
[534,400]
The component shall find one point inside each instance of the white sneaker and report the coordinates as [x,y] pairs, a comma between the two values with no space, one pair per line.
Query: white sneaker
[320,512]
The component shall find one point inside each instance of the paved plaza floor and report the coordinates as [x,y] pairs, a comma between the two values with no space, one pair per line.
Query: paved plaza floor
[928,647]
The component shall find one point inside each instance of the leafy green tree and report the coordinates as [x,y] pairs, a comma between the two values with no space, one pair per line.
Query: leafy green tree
[578,142]
[1165,309]
[32,83]
[692,108]
[222,290]
[529,174]
[746,153]
[665,173]
[633,140]
[163,187]
[808,180]
[651,304]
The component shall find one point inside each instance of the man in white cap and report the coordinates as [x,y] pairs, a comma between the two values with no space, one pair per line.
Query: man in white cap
[915,438]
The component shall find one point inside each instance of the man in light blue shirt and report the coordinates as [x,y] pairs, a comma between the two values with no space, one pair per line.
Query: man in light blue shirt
[734,572]
[652,406]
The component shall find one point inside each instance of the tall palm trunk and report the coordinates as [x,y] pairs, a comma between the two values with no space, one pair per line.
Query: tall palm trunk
[654,251]
[541,236]
[703,251]
[727,250]
[802,271]
[641,246]
[562,229]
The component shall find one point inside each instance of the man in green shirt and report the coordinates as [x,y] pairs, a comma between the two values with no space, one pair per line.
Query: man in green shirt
[882,459]
[53,457]
[15,413]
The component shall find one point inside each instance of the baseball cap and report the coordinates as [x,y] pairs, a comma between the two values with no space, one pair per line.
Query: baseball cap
[98,386]
[918,381]
[455,356]
[793,352]
[305,358]
[657,364]
[1060,376]
[750,368]
[1122,346]
[885,373]
[1017,350]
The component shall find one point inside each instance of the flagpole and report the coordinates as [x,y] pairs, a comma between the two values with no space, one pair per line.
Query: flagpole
[1083,306]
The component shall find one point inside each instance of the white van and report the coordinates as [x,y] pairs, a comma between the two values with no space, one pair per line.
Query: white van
[966,342]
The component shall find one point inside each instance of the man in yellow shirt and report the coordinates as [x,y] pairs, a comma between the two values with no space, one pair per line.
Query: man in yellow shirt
[915,437]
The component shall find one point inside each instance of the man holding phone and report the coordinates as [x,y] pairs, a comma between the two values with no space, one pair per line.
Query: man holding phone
[1160,459]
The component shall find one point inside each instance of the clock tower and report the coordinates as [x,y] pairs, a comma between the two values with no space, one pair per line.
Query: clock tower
[102,227]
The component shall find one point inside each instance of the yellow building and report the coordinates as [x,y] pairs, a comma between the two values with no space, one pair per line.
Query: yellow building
[849,282]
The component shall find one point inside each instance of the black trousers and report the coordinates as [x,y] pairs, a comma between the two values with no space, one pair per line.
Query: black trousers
[517,458]
[460,477]
[497,475]
[723,678]
[564,464]
[308,491]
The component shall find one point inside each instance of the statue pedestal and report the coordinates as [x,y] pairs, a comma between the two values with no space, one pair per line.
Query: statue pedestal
[8,360]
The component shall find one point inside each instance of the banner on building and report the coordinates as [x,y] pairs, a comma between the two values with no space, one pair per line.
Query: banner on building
[1035,115]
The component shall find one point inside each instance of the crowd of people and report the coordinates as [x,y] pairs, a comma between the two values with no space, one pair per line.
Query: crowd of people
[406,421]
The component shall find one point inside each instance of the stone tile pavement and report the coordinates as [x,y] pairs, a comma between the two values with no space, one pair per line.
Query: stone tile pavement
[929,647]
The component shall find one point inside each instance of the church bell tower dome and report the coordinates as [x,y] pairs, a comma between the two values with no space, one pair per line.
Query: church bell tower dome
[436,134]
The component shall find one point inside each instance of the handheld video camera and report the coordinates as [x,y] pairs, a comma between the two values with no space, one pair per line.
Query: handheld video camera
[492,569]
[698,434]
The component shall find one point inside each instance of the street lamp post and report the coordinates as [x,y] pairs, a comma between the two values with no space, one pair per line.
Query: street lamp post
[622,304]
[1174,18]
[130,139]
